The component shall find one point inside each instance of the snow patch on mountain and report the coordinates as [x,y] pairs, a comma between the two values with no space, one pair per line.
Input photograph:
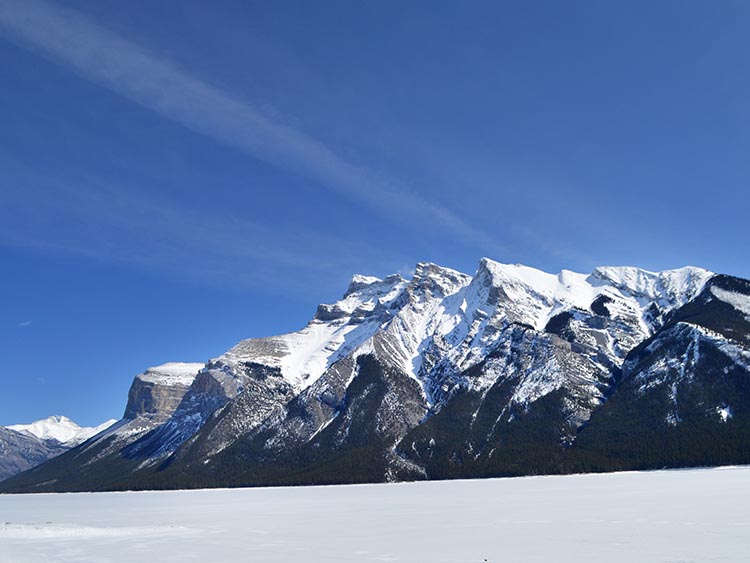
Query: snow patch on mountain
[172,373]
[537,295]
[335,332]
[724,412]
[739,301]
[672,288]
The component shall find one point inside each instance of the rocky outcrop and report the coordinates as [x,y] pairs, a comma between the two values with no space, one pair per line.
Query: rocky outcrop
[157,392]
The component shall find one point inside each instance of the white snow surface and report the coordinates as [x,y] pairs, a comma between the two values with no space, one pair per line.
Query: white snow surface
[724,412]
[739,301]
[650,517]
[171,373]
[62,429]
[681,284]
[541,294]
[359,279]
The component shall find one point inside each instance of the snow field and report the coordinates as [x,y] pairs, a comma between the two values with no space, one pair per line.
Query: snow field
[663,516]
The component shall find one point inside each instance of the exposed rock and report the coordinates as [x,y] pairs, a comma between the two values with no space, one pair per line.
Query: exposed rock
[157,392]
[19,452]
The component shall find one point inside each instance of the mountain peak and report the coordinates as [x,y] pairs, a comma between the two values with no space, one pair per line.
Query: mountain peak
[61,429]
[359,282]
[681,283]
[59,419]
[437,279]
[517,273]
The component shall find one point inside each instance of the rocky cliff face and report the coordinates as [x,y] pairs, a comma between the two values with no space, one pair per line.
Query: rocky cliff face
[156,393]
[510,371]
[154,397]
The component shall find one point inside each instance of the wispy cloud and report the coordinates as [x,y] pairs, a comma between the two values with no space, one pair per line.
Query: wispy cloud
[155,83]
[92,218]
[24,324]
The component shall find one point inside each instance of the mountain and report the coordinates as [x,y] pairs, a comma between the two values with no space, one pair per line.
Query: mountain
[511,371]
[23,446]
[19,452]
[61,429]
[685,392]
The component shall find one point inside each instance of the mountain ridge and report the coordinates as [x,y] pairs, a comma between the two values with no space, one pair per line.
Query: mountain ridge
[442,375]
[24,446]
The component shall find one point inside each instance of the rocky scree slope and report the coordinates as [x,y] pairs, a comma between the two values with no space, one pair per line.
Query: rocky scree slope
[511,371]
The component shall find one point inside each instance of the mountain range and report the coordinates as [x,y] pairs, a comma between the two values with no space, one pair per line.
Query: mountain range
[23,446]
[511,371]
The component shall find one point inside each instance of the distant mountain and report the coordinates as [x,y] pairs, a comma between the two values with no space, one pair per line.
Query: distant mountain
[154,396]
[23,446]
[19,452]
[61,429]
[511,371]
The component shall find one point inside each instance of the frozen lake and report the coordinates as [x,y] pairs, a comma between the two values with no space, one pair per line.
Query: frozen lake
[664,516]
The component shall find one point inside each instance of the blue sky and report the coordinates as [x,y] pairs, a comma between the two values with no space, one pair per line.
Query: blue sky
[177,176]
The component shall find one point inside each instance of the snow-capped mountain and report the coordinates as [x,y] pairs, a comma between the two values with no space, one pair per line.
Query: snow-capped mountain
[509,371]
[61,429]
[23,446]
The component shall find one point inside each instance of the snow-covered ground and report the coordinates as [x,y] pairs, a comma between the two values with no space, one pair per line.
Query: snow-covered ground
[664,516]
